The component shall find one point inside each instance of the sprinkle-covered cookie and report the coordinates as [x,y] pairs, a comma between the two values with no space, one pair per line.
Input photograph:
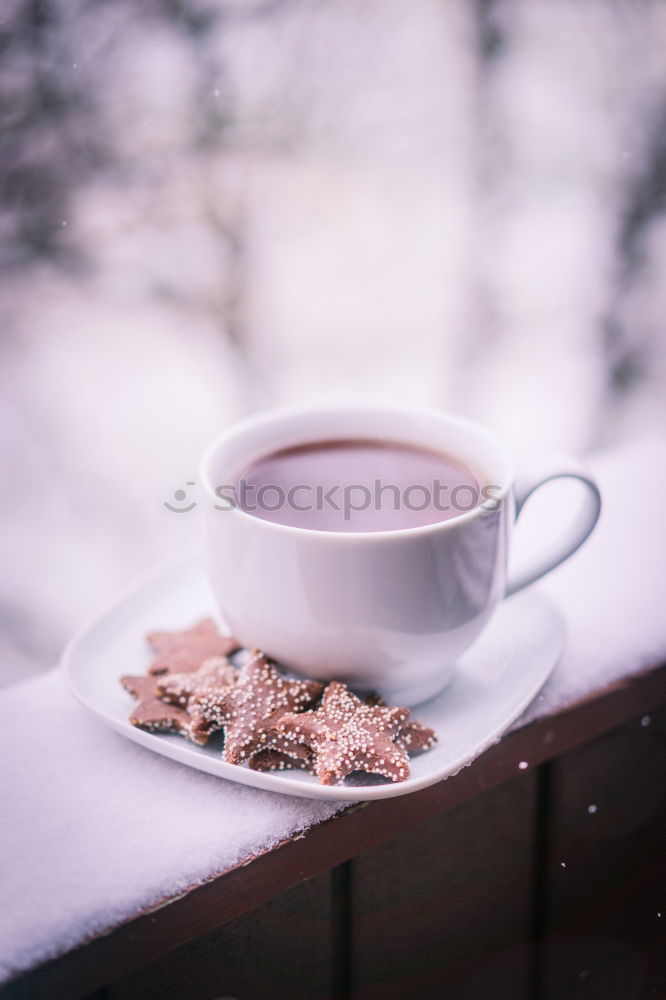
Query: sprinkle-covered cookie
[182,652]
[150,712]
[213,675]
[346,734]
[414,737]
[249,710]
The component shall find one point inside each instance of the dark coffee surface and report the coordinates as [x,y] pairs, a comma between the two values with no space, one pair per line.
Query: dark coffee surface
[375,485]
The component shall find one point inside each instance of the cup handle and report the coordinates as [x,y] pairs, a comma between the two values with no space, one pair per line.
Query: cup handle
[557,467]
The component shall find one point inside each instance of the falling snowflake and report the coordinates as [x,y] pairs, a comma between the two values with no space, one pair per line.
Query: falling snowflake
[523,765]
[591,808]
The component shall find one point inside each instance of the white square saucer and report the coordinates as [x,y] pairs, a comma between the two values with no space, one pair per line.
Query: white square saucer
[493,684]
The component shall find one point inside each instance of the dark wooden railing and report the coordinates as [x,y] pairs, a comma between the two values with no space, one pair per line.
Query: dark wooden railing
[538,884]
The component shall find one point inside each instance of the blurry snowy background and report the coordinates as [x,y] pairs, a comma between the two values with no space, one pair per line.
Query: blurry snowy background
[211,207]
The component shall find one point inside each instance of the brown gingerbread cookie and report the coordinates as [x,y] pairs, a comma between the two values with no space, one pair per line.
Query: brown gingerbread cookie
[414,737]
[249,710]
[213,674]
[150,712]
[182,652]
[346,734]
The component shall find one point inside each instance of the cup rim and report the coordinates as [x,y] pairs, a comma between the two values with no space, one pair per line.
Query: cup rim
[265,418]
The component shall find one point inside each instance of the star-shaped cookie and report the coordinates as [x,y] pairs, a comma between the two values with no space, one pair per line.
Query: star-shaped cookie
[414,737]
[150,712]
[213,674]
[181,652]
[249,710]
[346,734]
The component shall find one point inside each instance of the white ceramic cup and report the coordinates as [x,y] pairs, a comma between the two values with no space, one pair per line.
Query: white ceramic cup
[388,610]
